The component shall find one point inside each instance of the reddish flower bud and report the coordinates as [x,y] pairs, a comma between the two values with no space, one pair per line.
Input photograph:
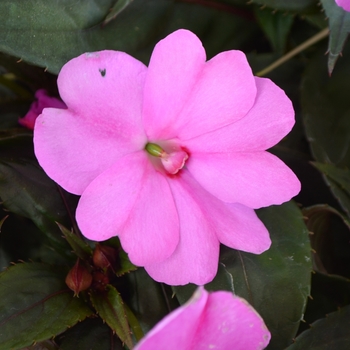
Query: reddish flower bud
[79,278]
[100,281]
[105,257]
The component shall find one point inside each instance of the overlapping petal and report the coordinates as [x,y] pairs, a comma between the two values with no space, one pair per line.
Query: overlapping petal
[131,200]
[198,248]
[196,97]
[219,320]
[254,179]
[269,120]
[76,145]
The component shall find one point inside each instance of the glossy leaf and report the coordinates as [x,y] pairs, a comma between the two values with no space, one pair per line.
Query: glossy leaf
[325,109]
[35,305]
[90,334]
[339,25]
[331,332]
[109,305]
[277,282]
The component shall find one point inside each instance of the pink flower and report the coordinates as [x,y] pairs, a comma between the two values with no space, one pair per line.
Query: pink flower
[345,4]
[171,158]
[218,320]
[36,108]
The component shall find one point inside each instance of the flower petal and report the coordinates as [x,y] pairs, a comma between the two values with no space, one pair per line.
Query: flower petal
[235,225]
[224,92]
[177,329]
[103,92]
[195,259]
[131,200]
[196,97]
[174,67]
[229,322]
[268,121]
[255,179]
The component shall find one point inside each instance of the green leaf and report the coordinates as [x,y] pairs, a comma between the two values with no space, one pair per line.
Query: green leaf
[276,27]
[90,334]
[339,25]
[109,305]
[331,332]
[288,5]
[339,181]
[35,305]
[278,279]
[80,247]
[118,7]
[329,239]
[325,108]
[49,33]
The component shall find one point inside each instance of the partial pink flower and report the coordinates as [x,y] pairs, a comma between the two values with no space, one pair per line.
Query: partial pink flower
[218,320]
[170,158]
[43,100]
[345,4]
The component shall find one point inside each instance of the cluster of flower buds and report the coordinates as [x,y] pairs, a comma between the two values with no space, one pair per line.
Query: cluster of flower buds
[96,273]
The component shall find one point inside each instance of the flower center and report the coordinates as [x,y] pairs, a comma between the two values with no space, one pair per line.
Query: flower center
[172,161]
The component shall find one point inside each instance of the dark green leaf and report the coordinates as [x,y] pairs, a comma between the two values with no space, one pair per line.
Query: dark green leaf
[339,182]
[35,305]
[331,332]
[80,247]
[329,239]
[277,282]
[326,111]
[276,27]
[118,7]
[339,25]
[90,334]
[295,5]
[109,305]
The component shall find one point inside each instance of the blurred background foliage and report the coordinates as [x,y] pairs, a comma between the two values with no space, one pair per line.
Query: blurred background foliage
[304,277]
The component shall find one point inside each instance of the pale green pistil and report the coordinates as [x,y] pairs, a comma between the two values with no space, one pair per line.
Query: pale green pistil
[154,150]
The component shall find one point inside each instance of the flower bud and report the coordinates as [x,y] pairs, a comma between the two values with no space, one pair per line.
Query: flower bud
[105,257]
[79,278]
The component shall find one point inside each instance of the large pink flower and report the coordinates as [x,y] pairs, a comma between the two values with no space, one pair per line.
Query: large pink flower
[218,320]
[43,100]
[171,158]
[345,4]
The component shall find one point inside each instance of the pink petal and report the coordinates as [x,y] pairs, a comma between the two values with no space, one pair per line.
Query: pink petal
[269,120]
[101,124]
[224,92]
[345,4]
[185,97]
[131,200]
[198,248]
[43,100]
[177,330]
[219,320]
[173,71]
[255,179]
[235,225]
[229,322]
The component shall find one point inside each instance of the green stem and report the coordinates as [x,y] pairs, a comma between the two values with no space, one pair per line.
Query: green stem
[313,40]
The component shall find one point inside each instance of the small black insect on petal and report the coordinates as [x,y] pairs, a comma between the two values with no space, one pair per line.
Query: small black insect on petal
[103,72]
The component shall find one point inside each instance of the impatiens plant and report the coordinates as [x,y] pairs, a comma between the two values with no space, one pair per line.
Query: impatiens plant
[174,174]
[174,153]
[218,320]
